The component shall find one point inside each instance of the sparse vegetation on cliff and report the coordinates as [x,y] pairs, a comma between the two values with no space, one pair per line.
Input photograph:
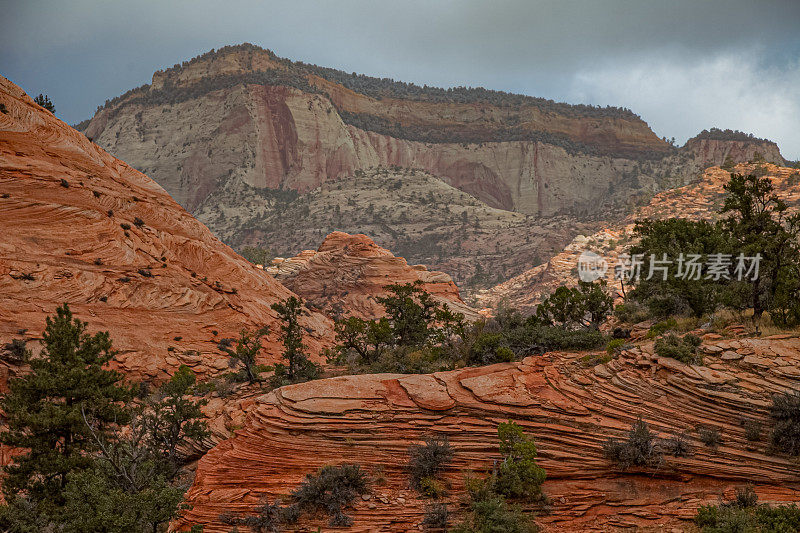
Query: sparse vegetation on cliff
[95,455]
[717,134]
[425,463]
[44,101]
[389,88]
[744,514]
[516,477]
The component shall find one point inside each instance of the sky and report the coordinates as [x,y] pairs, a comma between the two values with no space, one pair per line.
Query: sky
[682,65]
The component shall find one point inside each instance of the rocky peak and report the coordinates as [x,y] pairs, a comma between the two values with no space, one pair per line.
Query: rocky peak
[713,147]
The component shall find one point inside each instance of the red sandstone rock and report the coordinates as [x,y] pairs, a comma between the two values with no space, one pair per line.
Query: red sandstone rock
[568,407]
[348,272]
[82,227]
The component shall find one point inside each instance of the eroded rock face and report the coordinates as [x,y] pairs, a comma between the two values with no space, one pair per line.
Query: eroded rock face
[568,407]
[348,272]
[699,201]
[300,130]
[82,227]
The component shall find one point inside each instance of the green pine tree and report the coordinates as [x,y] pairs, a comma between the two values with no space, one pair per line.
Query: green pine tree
[298,367]
[46,411]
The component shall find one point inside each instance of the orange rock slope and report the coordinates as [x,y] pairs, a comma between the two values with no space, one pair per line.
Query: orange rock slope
[82,227]
[701,200]
[348,272]
[569,407]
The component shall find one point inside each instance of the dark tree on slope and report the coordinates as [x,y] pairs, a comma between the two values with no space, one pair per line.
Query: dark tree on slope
[84,471]
[45,412]
[44,101]
[758,221]
[298,367]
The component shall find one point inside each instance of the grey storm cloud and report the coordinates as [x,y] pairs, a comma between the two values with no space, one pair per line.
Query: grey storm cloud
[681,65]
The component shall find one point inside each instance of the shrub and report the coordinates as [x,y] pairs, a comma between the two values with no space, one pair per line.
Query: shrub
[621,333]
[677,446]
[638,450]
[631,312]
[125,226]
[684,349]
[16,349]
[64,183]
[494,515]
[746,497]
[428,460]
[432,488]
[541,339]
[138,222]
[268,520]
[752,430]
[518,475]
[734,518]
[145,273]
[330,490]
[436,516]
[614,346]
[785,412]
[709,436]
[488,349]
[659,328]
[44,101]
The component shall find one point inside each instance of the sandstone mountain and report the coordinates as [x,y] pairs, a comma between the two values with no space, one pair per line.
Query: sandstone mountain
[82,227]
[241,123]
[701,200]
[571,408]
[348,272]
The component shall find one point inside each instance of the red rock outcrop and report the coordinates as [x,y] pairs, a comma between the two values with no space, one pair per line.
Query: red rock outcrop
[348,272]
[570,408]
[699,201]
[82,227]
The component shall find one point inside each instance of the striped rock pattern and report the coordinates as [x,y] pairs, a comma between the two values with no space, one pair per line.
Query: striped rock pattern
[348,272]
[569,407]
[82,227]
